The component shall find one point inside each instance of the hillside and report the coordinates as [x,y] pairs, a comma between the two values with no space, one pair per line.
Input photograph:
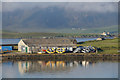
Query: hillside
[56,19]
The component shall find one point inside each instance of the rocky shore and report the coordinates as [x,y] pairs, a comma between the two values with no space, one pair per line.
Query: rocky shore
[67,56]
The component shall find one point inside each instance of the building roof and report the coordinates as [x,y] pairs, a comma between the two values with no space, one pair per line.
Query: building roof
[50,42]
[9,41]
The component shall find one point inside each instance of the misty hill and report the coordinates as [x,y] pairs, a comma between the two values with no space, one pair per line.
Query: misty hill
[55,18]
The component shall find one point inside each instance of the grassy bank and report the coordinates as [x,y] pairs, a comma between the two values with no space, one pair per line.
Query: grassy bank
[109,46]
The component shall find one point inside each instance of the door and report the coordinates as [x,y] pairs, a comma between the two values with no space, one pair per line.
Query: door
[26,49]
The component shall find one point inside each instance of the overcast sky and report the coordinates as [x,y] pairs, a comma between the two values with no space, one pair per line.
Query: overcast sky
[60,0]
[100,6]
[74,6]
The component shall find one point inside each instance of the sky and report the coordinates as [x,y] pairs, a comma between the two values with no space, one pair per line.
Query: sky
[100,7]
[90,5]
[60,0]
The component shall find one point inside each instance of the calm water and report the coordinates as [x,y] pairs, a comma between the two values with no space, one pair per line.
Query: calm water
[60,69]
[85,39]
[15,41]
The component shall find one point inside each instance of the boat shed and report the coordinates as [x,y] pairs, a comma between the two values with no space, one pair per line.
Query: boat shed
[7,45]
[36,45]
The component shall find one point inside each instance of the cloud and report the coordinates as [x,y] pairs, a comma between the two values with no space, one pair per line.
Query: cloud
[60,0]
[74,6]
[93,7]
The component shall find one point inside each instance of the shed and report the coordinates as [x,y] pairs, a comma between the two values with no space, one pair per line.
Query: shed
[100,39]
[35,45]
[7,45]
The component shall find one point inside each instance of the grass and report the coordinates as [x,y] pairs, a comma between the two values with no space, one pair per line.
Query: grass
[111,29]
[6,34]
[108,46]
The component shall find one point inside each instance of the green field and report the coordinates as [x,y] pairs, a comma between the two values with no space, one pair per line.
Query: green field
[109,46]
[65,32]
[7,34]
[111,29]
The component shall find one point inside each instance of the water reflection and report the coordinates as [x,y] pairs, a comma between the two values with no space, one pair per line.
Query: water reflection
[60,69]
[50,66]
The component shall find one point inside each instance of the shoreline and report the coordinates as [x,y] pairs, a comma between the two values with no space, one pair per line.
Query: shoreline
[108,50]
[66,37]
[68,56]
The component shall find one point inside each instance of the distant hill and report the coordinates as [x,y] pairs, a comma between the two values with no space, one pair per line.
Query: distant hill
[55,19]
